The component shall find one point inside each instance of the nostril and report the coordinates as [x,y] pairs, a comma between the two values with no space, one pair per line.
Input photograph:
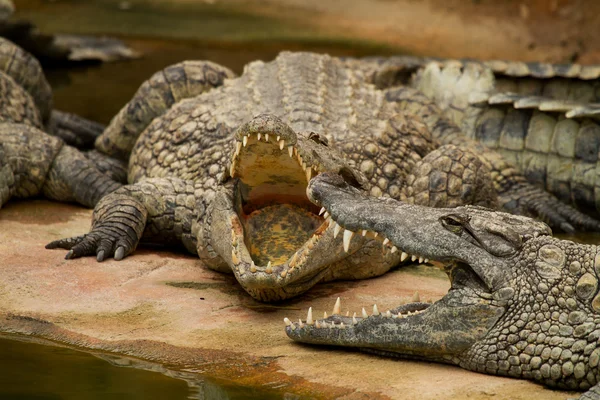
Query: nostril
[349,178]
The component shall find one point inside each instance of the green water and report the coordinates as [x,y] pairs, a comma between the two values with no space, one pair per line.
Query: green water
[34,371]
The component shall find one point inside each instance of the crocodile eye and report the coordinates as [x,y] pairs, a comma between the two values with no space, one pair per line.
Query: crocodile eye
[453,223]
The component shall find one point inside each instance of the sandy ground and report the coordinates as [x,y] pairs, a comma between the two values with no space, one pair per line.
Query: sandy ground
[527,30]
[165,307]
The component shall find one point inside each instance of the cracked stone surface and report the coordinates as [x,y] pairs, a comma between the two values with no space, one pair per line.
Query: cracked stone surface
[166,307]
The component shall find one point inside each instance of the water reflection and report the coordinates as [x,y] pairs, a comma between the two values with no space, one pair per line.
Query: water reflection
[30,370]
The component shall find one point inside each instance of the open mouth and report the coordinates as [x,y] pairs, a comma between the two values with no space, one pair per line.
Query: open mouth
[462,279]
[468,294]
[278,224]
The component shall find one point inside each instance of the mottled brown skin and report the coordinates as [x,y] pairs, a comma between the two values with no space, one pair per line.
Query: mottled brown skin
[542,118]
[33,163]
[213,170]
[522,303]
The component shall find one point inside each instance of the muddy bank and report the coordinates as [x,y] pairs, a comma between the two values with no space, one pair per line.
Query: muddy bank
[167,308]
[528,30]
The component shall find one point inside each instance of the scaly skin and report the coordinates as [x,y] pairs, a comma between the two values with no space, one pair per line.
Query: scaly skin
[32,162]
[224,173]
[517,109]
[522,303]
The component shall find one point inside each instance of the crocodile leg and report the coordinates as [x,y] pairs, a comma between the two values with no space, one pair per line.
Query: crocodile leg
[509,183]
[155,96]
[73,129]
[113,168]
[33,163]
[159,211]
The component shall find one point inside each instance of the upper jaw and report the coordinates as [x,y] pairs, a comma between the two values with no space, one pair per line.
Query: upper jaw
[418,230]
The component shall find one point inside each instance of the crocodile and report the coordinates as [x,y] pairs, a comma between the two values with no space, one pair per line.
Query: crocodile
[522,303]
[223,173]
[34,157]
[543,118]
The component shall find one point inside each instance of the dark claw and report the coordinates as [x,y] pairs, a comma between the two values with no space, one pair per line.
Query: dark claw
[69,255]
[120,253]
[100,256]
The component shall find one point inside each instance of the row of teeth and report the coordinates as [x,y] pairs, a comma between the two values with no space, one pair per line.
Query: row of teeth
[337,310]
[348,235]
[309,171]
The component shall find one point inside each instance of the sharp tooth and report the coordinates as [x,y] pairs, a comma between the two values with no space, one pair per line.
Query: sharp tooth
[287,321]
[403,256]
[283,273]
[238,148]
[322,210]
[364,313]
[375,310]
[317,324]
[293,327]
[309,318]
[347,238]
[342,326]
[300,324]
[421,260]
[426,260]
[354,320]
[232,169]
[245,140]
[348,313]
[376,234]
[278,138]
[308,173]
[290,150]
[364,232]
[268,270]
[294,260]
[416,298]
[394,249]
[259,136]
[386,241]
[326,215]
[324,314]
[281,144]
[337,308]
[234,257]
[336,229]
[388,314]
[413,258]
[266,137]
[252,267]
[332,325]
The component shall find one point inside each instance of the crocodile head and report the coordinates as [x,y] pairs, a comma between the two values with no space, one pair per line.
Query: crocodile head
[264,226]
[521,302]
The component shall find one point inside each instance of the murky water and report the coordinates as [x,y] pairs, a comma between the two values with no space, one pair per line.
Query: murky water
[34,371]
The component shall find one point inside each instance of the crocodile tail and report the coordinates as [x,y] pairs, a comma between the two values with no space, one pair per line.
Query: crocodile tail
[27,72]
